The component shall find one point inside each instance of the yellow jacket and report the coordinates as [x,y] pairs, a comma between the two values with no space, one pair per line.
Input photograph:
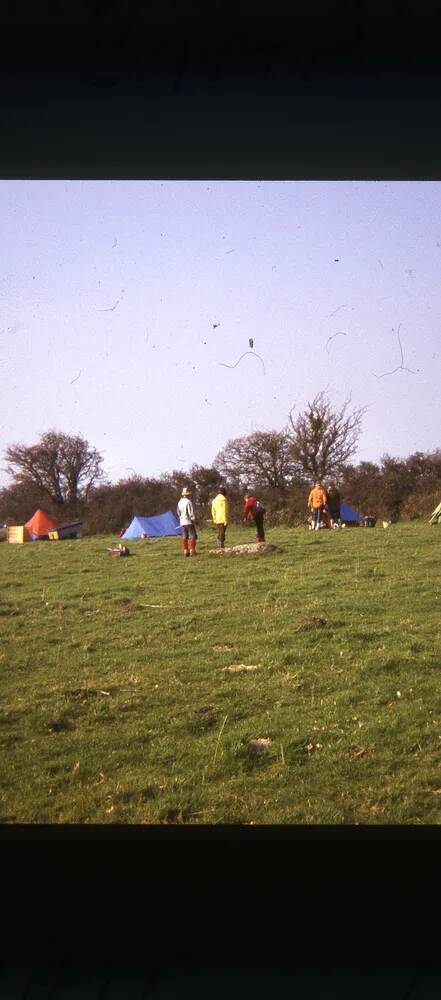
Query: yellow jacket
[219,509]
[317,497]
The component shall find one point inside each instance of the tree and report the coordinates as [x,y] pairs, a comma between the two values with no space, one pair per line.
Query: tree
[61,467]
[17,505]
[424,470]
[174,482]
[362,486]
[396,485]
[206,482]
[323,438]
[262,459]
[111,507]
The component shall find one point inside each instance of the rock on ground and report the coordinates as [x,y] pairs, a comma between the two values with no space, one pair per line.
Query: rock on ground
[254,548]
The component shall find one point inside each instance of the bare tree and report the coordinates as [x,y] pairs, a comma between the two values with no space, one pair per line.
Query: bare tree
[206,481]
[61,467]
[263,458]
[324,438]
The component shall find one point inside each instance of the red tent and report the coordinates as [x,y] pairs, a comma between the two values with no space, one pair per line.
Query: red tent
[40,524]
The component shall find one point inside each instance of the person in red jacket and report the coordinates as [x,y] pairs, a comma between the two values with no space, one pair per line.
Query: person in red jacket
[254,511]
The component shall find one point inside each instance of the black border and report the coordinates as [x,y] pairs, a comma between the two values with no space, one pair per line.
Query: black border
[228,91]
[221,89]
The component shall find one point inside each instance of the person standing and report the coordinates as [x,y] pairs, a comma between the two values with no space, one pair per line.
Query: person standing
[185,512]
[316,504]
[334,502]
[254,511]
[220,514]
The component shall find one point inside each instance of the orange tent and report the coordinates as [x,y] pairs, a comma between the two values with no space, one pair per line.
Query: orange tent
[40,524]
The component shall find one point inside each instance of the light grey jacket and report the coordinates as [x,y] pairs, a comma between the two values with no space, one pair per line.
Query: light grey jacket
[185,512]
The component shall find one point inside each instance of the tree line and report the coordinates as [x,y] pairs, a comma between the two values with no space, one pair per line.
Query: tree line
[64,474]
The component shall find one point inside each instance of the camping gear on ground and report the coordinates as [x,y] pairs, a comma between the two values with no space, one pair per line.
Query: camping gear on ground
[17,534]
[369,522]
[325,523]
[435,518]
[71,530]
[349,516]
[121,550]
[40,524]
[159,526]
[36,529]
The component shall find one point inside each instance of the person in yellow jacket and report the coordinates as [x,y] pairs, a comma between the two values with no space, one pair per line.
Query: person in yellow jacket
[316,503]
[219,513]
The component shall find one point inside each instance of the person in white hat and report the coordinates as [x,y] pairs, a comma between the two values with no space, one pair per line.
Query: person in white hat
[185,512]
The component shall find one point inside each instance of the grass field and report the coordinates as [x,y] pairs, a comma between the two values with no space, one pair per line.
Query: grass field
[116,707]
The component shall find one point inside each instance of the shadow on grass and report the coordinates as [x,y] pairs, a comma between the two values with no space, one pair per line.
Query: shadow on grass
[202,720]
[62,724]
[136,795]
[182,811]
[244,757]
[8,610]
[10,718]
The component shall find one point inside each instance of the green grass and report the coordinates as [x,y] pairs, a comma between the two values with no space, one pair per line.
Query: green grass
[116,712]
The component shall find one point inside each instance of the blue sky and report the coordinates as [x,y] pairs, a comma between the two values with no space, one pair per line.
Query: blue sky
[110,292]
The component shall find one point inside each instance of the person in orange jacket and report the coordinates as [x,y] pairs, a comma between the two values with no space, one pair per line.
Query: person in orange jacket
[316,503]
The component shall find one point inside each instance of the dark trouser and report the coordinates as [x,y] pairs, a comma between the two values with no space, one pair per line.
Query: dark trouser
[316,516]
[188,531]
[258,521]
[221,532]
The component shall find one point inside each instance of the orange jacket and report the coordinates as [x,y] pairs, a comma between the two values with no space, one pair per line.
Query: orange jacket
[317,497]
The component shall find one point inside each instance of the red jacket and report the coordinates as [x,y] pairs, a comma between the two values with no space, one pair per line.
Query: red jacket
[249,510]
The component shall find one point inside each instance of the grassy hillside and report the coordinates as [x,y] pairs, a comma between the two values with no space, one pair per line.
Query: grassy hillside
[116,707]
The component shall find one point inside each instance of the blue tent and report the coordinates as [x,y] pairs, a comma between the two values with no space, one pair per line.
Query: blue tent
[348,515]
[153,527]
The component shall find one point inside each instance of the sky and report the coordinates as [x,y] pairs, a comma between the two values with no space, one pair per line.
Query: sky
[125,307]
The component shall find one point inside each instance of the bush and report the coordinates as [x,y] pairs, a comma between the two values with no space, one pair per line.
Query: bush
[420,504]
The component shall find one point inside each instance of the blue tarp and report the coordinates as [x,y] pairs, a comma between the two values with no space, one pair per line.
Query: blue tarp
[153,527]
[347,513]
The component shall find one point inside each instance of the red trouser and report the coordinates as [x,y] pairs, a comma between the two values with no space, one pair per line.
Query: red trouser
[189,538]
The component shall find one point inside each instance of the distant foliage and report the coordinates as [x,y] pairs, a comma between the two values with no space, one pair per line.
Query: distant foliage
[112,507]
[420,504]
[361,486]
[396,487]
[17,505]
[63,475]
